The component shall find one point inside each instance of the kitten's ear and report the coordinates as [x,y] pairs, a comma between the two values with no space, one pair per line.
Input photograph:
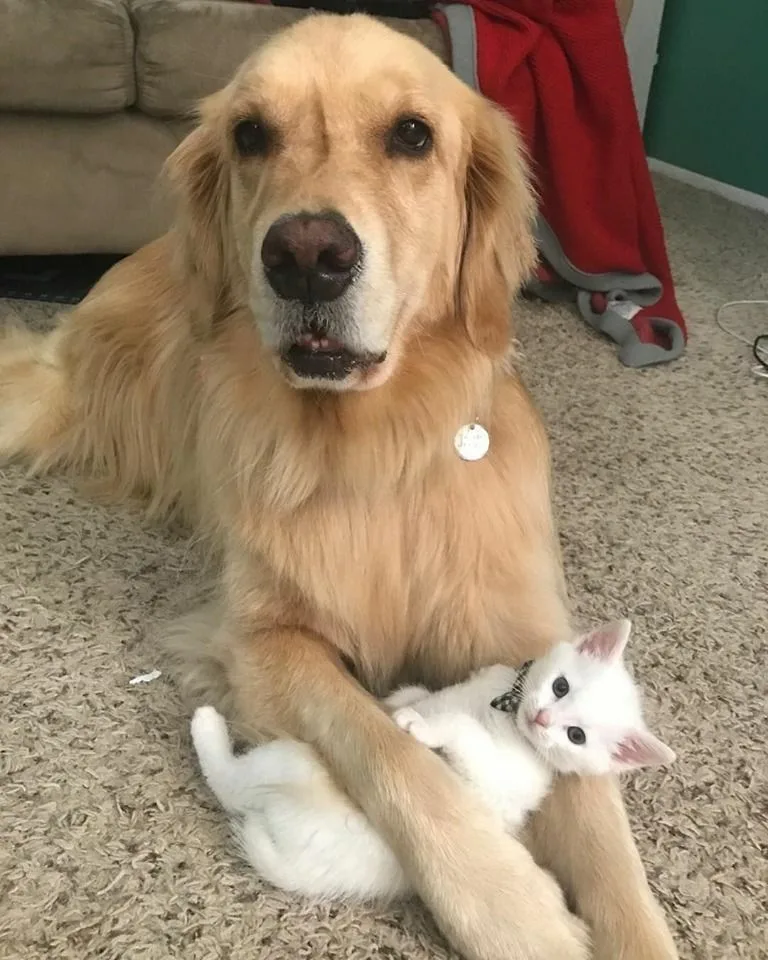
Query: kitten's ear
[606,642]
[639,748]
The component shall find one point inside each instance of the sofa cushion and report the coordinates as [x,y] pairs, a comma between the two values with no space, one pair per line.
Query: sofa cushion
[83,184]
[187,49]
[66,55]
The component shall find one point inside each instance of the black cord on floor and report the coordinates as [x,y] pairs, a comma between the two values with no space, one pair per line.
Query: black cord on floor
[761,353]
[759,349]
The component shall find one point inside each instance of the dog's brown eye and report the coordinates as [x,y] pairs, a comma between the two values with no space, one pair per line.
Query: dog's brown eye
[410,135]
[250,138]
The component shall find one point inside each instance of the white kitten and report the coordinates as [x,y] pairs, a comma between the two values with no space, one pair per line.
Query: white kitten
[506,731]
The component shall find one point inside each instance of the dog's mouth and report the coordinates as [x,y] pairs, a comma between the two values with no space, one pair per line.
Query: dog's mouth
[319,357]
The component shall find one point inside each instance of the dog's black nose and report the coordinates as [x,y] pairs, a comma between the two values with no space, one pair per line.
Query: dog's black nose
[310,257]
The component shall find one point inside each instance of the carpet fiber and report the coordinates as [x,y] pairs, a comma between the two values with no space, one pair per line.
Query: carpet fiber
[110,846]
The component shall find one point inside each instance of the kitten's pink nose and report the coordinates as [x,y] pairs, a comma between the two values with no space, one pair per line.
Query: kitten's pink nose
[542,718]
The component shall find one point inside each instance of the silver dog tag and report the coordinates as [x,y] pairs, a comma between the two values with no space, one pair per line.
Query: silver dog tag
[472,441]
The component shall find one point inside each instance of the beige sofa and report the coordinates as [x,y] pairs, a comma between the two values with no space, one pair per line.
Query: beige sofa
[94,94]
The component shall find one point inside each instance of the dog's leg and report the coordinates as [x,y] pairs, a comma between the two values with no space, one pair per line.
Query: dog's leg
[582,834]
[483,887]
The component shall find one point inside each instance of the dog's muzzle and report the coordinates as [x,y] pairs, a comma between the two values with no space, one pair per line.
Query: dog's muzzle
[310,261]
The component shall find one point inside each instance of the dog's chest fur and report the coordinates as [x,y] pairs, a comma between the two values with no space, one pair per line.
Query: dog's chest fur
[357,519]
[448,564]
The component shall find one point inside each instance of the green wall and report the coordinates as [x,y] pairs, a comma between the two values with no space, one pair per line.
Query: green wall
[708,107]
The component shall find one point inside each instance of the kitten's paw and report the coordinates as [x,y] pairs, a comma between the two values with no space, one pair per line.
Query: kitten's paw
[209,727]
[412,722]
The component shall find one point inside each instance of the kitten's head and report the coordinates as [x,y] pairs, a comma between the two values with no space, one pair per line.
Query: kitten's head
[581,709]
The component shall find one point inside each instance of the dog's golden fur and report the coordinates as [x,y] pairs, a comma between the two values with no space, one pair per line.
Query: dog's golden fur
[352,535]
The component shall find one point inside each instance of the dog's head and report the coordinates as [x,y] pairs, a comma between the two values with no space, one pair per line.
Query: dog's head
[350,190]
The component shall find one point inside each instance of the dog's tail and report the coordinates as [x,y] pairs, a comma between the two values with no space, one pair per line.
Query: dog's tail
[113,408]
[35,410]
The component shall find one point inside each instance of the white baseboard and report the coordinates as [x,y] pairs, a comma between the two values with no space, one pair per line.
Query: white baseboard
[736,194]
[641,39]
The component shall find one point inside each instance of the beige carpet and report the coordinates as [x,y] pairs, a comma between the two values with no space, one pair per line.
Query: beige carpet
[111,848]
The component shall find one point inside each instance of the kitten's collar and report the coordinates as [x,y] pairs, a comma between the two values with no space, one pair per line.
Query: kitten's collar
[509,702]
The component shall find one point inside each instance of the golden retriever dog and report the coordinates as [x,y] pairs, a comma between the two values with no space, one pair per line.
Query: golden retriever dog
[288,369]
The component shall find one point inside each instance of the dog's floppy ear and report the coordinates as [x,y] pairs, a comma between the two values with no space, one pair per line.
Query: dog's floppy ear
[499,250]
[197,173]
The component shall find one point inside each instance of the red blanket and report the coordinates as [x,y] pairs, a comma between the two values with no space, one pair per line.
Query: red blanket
[559,67]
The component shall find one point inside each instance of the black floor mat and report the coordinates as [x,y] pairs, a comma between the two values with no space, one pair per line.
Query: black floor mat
[55,279]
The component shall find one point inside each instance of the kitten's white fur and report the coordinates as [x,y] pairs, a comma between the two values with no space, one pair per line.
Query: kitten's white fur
[301,834]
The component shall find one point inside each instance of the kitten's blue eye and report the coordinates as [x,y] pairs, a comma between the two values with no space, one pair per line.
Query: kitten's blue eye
[576,735]
[560,687]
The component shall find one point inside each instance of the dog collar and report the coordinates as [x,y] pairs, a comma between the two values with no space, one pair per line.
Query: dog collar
[509,702]
[472,441]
